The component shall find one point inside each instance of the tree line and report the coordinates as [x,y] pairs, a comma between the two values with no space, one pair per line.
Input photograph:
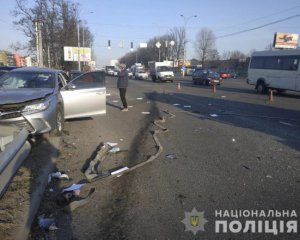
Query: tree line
[60,19]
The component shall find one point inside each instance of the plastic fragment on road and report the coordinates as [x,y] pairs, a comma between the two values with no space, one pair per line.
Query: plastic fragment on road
[187,106]
[145,113]
[84,200]
[139,98]
[171,156]
[58,175]
[114,150]
[269,176]
[213,115]
[233,140]
[46,223]
[111,144]
[287,124]
[119,170]
[176,104]
[73,187]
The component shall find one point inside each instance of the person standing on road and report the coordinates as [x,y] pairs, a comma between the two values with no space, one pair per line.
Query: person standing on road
[122,84]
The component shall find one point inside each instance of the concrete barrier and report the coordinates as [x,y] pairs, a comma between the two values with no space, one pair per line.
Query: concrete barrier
[14,148]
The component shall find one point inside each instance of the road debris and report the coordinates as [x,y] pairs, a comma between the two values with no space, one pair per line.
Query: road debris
[119,170]
[223,96]
[114,150]
[176,104]
[73,187]
[46,223]
[59,175]
[233,140]
[92,173]
[146,113]
[139,98]
[244,166]
[111,144]
[287,124]
[171,156]
[187,106]
[213,115]
[269,176]
[82,201]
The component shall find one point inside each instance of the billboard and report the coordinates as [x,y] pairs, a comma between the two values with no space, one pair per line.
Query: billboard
[71,54]
[285,40]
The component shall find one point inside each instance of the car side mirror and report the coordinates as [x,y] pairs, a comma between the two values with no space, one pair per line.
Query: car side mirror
[70,86]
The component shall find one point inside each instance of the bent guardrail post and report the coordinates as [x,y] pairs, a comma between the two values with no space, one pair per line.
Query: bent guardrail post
[16,149]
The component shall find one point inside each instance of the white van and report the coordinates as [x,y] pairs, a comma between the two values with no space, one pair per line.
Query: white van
[277,69]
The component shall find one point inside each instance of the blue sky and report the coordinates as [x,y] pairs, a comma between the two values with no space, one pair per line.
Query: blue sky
[140,20]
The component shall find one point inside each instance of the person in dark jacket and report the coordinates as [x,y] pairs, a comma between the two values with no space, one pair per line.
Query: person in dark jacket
[122,84]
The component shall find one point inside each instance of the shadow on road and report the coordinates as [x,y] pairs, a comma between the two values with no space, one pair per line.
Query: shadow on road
[275,121]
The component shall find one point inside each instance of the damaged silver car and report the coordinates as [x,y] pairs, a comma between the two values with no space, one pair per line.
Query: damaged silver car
[40,99]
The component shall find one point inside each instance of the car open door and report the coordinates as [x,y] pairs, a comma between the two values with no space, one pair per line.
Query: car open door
[85,96]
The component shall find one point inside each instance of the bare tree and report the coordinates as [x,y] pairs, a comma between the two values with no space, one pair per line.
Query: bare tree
[178,36]
[205,45]
[60,20]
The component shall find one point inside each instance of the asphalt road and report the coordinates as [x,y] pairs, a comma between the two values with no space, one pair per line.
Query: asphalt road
[228,150]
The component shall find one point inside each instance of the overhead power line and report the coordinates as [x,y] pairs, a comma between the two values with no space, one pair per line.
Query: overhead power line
[261,26]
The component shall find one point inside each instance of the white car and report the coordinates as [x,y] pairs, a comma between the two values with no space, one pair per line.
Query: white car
[141,74]
[40,99]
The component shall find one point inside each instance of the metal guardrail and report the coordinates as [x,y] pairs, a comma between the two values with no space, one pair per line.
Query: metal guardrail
[15,148]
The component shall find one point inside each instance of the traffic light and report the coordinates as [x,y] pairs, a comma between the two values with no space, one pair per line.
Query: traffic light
[109,44]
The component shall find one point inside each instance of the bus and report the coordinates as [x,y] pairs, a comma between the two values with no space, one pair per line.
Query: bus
[277,70]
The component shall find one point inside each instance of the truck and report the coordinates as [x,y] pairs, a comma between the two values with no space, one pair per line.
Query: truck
[161,71]
[136,67]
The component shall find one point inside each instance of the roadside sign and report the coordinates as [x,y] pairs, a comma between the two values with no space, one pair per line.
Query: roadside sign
[158,44]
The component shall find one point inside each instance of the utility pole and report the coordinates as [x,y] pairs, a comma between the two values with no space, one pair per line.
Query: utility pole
[39,42]
[49,61]
[79,67]
[186,19]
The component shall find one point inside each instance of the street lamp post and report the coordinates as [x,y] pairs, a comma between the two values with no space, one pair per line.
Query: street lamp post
[186,19]
[79,67]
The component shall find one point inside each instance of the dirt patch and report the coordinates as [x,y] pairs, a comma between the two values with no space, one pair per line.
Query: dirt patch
[18,199]
[105,215]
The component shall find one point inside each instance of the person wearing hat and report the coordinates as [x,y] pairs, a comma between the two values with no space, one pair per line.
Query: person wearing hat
[122,84]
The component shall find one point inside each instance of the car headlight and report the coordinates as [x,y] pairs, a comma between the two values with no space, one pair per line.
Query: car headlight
[36,107]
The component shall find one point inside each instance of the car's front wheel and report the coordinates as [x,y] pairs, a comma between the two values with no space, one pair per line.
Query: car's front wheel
[59,122]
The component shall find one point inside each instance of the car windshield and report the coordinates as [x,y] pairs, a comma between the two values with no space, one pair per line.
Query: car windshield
[14,80]
[164,68]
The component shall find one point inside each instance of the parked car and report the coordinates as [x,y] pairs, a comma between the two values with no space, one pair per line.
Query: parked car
[206,77]
[141,74]
[39,99]
[225,75]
